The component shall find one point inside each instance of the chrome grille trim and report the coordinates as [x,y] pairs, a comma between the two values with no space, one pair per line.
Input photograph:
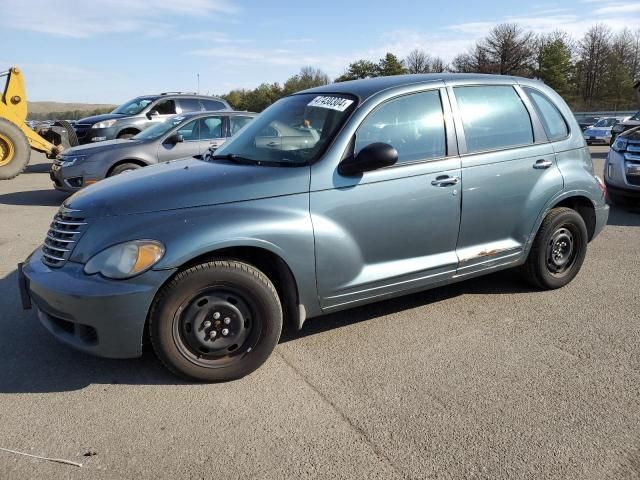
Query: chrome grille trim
[66,227]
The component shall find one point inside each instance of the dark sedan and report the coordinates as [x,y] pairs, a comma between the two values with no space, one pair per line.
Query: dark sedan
[186,135]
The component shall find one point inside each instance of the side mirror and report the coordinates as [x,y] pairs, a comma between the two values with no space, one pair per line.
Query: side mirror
[175,138]
[153,113]
[372,157]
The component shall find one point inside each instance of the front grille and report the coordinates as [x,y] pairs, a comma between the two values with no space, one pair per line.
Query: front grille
[65,230]
[633,179]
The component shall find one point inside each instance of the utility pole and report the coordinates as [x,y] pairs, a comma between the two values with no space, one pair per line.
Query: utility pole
[198,83]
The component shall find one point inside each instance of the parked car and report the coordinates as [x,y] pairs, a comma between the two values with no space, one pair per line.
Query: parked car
[180,136]
[622,168]
[586,122]
[134,116]
[600,132]
[631,122]
[332,197]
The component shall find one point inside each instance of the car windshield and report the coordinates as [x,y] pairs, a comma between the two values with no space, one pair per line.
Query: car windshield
[636,117]
[606,122]
[160,128]
[293,131]
[133,107]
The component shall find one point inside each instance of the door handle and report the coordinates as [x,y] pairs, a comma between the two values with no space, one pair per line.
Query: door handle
[542,164]
[445,181]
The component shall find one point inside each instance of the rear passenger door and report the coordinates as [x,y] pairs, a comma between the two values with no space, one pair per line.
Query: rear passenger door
[509,173]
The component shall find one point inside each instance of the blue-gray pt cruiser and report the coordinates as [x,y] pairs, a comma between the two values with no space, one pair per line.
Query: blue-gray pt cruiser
[333,197]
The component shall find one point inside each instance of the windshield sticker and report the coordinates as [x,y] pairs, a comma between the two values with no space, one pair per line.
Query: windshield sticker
[333,103]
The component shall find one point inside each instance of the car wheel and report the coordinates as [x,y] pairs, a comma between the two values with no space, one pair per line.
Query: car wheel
[216,321]
[123,167]
[558,250]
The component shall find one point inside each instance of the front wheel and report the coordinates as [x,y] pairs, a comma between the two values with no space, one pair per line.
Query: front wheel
[558,250]
[216,321]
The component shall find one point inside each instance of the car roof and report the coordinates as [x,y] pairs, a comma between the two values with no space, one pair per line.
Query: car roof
[228,113]
[367,87]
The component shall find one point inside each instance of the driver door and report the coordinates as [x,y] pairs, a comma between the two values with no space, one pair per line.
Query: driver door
[394,229]
[169,149]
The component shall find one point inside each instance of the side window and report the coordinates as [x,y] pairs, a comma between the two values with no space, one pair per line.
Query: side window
[210,127]
[412,124]
[493,118]
[165,107]
[189,131]
[212,105]
[190,105]
[554,123]
[237,123]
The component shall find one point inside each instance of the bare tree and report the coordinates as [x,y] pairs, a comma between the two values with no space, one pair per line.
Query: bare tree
[419,61]
[509,49]
[593,51]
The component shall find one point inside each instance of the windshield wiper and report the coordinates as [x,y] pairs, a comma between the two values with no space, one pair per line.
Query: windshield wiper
[234,158]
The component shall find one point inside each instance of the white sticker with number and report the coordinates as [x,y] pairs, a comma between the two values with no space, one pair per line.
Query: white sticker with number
[333,103]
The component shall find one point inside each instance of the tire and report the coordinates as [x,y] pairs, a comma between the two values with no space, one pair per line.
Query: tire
[543,269]
[15,151]
[71,132]
[126,135]
[123,167]
[184,324]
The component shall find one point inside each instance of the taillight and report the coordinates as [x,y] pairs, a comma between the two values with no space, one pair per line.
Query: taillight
[602,186]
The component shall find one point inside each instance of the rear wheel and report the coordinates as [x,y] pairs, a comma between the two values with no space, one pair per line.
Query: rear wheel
[123,167]
[558,250]
[216,321]
[14,150]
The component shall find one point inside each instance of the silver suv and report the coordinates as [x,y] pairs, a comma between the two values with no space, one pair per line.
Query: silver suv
[333,197]
[132,117]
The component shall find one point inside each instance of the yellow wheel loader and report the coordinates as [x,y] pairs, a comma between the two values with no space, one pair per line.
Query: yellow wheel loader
[17,138]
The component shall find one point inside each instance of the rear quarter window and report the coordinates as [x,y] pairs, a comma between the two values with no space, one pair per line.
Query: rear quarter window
[555,126]
[212,105]
[493,117]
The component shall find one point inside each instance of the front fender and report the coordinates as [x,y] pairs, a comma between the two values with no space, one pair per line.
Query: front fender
[281,225]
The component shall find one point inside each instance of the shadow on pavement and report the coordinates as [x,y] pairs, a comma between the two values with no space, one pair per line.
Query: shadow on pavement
[46,198]
[624,215]
[38,168]
[34,362]
[500,283]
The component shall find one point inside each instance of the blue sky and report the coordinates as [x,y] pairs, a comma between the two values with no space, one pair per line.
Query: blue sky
[112,50]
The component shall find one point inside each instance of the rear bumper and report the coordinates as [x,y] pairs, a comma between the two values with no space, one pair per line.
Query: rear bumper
[602,216]
[89,312]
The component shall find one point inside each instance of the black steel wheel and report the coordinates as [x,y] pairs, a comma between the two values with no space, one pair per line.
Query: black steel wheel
[558,250]
[216,321]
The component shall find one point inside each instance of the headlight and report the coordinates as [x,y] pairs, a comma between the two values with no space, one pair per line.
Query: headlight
[620,145]
[126,259]
[104,124]
[68,161]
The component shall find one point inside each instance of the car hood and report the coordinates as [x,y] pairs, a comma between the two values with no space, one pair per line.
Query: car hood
[187,183]
[99,118]
[99,147]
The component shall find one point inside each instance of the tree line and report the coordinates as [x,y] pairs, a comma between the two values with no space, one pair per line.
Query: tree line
[69,114]
[596,72]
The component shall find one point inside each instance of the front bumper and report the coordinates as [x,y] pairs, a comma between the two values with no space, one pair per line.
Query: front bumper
[89,312]
[75,177]
[86,134]
[621,174]
[598,138]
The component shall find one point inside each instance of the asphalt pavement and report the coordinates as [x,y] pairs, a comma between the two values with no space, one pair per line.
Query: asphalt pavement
[488,378]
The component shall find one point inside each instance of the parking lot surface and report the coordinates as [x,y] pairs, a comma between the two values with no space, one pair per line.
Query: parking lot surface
[488,378]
